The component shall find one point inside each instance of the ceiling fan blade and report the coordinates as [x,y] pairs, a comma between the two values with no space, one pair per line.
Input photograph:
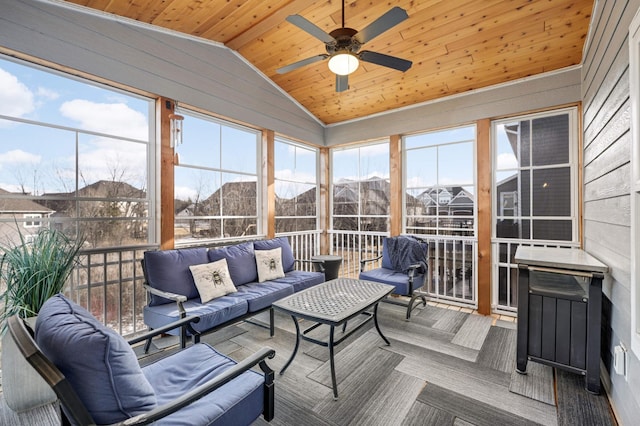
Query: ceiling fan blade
[342,83]
[311,28]
[385,60]
[392,18]
[301,63]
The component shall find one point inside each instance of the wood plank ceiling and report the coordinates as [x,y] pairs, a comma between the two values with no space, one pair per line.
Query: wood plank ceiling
[455,45]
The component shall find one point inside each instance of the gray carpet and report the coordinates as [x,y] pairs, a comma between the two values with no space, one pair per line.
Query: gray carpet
[443,367]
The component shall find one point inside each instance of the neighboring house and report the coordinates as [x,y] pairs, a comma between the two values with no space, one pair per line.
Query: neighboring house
[26,213]
[229,211]
[104,199]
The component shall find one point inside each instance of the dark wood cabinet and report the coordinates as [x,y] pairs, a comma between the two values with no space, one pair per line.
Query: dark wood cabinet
[559,310]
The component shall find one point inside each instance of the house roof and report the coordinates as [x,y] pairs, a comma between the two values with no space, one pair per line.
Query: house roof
[454,45]
[21,205]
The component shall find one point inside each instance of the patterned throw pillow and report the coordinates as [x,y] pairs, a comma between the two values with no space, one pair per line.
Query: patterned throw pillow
[269,264]
[212,280]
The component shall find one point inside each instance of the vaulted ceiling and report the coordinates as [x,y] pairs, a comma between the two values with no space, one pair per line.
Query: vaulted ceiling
[455,45]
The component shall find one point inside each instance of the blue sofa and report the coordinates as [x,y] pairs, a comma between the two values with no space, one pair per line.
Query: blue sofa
[173,292]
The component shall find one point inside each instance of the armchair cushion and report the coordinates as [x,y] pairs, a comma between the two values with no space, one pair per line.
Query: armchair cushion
[288,261]
[398,279]
[241,261]
[98,362]
[168,270]
[238,402]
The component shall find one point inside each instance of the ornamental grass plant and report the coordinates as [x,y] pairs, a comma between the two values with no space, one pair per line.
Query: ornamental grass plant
[34,270]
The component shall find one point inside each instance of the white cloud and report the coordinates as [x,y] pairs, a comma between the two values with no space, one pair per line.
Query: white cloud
[507,161]
[18,156]
[106,159]
[288,174]
[47,94]
[115,118]
[185,193]
[16,100]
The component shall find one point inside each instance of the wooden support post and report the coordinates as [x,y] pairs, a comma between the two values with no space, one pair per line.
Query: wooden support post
[395,178]
[325,200]
[165,107]
[268,143]
[483,162]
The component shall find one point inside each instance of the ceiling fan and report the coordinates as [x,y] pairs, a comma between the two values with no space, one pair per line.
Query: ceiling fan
[343,46]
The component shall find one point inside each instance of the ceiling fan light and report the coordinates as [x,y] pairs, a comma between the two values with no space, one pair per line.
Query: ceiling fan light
[343,64]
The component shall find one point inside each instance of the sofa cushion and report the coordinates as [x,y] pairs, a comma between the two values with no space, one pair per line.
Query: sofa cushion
[236,403]
[212,280]
[241,262]
[301,280]
[288,262]
[269,263]
[261,295]
[168,270]
[99,364]
[212,314]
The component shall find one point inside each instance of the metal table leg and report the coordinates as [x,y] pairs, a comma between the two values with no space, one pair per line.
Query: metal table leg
[375,321]
[332,364]
[295,349]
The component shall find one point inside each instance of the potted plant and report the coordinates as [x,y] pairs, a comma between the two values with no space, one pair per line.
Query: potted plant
[31,271]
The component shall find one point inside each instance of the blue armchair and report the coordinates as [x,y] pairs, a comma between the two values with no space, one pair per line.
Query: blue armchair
[98,380]
[404,265]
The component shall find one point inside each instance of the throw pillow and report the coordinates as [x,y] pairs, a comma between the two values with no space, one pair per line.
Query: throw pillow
[269,263]
[212,280]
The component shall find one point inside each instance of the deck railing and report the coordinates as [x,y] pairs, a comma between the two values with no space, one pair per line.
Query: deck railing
[452,262]
[305,244]
[108,282]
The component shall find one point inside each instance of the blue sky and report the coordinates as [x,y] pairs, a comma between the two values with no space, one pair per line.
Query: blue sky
[42,160]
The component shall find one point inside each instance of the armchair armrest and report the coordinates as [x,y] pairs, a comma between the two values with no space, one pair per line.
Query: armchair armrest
[167,295]
[178,298]
[182,322]
[363,262]
[258,358]
[412,270]
[318,262]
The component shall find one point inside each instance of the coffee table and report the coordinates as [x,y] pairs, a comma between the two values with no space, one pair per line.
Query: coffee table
[333,303]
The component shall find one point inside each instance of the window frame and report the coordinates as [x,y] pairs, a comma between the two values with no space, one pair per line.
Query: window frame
[32,223]
[316,184]
[573,168]
[359,215]
[76,222]
[222,170]
[438,230]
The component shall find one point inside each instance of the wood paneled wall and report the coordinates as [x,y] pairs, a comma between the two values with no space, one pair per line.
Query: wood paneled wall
[606,157]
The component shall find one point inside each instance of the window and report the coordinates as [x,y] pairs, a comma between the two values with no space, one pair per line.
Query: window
[535,191]
[295,187]
[634,73]
[533,164]
[439,182]
[361,188]
[216,181]
[30,222]
[508,203]
[74,156]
